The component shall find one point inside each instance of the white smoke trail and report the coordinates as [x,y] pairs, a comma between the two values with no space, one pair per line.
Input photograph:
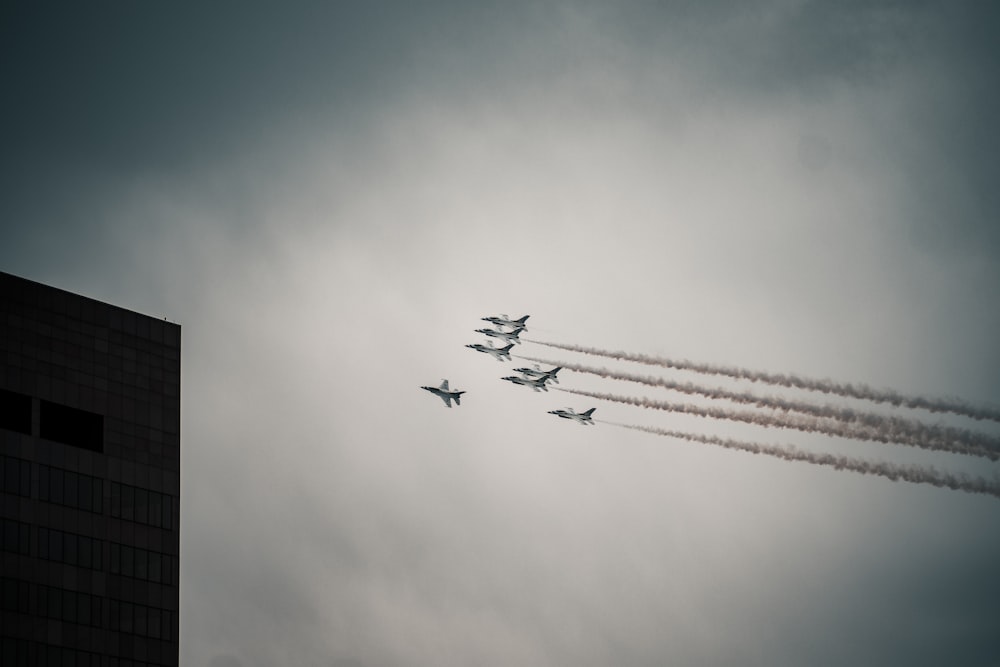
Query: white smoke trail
[893,429]
[804,423]
[907,473]
[847,390]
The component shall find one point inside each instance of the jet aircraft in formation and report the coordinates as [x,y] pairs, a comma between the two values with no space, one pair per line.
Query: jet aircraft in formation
[582,418]
[537,372]
[499,353]
[509,336]
[504,321]
[538,384]
[446,394]
[535,377]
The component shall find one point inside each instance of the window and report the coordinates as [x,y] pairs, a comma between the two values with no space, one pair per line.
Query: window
[141,505]
[128,503]
[69,548]
[15,537]
[70,426]
[15,412]
[141,620]
[15,476]
[64,487]
[69,606]
[128,561]
[155,569]
[14,595]
[24,653]
[141,564]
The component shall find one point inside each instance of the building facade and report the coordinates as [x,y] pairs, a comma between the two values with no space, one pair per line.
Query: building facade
[89,482]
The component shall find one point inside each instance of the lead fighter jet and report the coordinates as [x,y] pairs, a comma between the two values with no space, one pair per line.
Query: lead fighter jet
[536,372]
[503,320]
[499,353]
[445,394]
[582,418]
[538,384]
[509,336]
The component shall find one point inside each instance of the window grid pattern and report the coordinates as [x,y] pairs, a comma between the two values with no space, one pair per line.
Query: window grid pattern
[141,620]
[85,609]
[15,537]
[69,606]
[24,653]
[73,489]
[15,596]
[125,662]
[15,476]
[141,564]
[69,548]
[141,505]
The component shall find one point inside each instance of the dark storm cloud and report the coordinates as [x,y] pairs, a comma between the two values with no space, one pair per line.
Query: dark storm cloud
[934,63]
[212,101]
[773,48]
[146,84]
[946,140]
[165,85]
[130,84]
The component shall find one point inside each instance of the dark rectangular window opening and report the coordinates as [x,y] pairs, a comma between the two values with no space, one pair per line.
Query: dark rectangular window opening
[15,476]
[15,412]
[71,426]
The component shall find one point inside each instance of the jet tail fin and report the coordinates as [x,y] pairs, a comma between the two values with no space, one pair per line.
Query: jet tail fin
[588,412]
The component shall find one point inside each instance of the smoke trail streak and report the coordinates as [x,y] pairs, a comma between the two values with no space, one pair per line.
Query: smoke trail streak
[907,473]
[847,390]
[892,428]
[799,422]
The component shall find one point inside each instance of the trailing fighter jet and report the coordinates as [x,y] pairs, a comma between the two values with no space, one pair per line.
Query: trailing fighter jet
[537,372]
[509,336]
[503,320]
[445,394]
[582,418]
[538,384]
[499,353]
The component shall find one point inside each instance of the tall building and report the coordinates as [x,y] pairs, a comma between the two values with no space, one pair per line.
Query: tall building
[89,481]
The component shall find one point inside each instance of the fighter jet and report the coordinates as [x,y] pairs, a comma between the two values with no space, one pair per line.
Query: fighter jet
[503,320]
[509,336]
[499,353]
[445,394]
[582,418]
[538,384]
[537,372]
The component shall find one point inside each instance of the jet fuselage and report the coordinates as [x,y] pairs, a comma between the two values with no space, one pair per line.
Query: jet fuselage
[582,418]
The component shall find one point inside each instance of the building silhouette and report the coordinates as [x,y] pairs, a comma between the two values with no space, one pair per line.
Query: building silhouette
[89,481]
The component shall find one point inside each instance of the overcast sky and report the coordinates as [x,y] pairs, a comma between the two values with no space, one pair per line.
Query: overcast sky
[328,197]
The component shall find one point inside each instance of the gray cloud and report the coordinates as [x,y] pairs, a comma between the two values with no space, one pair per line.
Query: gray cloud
[328,198]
